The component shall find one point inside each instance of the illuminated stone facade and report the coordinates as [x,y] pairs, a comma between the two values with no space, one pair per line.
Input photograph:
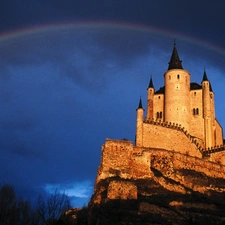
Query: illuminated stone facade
[181,103]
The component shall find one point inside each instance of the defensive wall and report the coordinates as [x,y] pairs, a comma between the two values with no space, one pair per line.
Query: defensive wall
[168,161]
[120,158]
[167,135]
[162,135]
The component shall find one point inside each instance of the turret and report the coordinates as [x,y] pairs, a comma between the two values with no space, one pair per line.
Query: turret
[177,92]
[151,92]
[139,124]
[207,110]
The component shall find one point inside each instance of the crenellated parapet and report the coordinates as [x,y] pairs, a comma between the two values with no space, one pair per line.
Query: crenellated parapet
[215,149]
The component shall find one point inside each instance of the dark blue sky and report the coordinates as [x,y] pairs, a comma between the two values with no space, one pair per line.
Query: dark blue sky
[72,73]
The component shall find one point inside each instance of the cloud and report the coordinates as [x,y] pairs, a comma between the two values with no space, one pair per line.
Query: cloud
[79,192]
[89,58]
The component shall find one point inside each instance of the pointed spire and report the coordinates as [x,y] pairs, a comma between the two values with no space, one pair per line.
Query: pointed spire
[175,62]
[210,87]
[205,78]
[140,104]
[151,83]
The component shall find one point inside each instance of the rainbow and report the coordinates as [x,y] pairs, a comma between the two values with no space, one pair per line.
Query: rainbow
[12,35]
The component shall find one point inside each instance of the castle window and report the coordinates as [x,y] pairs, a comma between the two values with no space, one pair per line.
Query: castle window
[177,86]
[194,93]
[159,97]
[178,76]
[159,115]
[195,111]
[169,77]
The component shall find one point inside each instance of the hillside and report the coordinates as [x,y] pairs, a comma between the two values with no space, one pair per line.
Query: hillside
[186,197]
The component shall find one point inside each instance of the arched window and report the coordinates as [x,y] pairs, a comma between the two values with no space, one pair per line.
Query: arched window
[157,115]
[160,115]
[195,111]
[178,76]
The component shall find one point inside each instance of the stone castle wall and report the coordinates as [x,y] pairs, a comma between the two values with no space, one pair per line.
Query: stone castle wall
[170,161]
[169,136]
[218,133]
[196,120]
[120,158]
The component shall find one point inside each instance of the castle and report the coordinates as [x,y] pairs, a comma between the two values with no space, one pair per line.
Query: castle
[180,126]
[175,171]
[189,105]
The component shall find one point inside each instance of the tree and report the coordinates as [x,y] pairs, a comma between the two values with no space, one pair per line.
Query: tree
[14,210]
[51,209]
[7,203]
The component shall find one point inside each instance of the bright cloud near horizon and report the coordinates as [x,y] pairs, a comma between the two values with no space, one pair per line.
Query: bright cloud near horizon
[66,87]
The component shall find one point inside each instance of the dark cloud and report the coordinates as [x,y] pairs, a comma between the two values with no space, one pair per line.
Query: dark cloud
[82,55]
[186,16]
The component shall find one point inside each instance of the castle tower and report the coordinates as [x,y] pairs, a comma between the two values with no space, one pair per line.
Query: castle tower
[177,92]
[215,139]
[139,124]
[207,111]
[151,92]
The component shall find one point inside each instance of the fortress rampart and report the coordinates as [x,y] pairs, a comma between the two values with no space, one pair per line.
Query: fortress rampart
[176,160]
[173,136]
[120,158]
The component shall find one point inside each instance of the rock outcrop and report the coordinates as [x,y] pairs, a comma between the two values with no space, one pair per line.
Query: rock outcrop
[156,186]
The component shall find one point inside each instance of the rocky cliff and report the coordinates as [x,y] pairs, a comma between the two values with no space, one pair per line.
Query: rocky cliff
[176,189]
[191,198]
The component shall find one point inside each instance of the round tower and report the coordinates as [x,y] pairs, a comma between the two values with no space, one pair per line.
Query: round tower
[151,92]
[139,125]
[177,92]
[207,112]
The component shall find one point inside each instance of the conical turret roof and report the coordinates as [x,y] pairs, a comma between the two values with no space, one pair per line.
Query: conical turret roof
[175,62]
[210,87]
[151,83]
[140,104]
[205,78]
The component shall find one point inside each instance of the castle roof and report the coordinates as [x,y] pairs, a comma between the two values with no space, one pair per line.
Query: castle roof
[151,83]
[210,87]
[175,62]
[161,90]
[195,86]
[205,78]
[140,104]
